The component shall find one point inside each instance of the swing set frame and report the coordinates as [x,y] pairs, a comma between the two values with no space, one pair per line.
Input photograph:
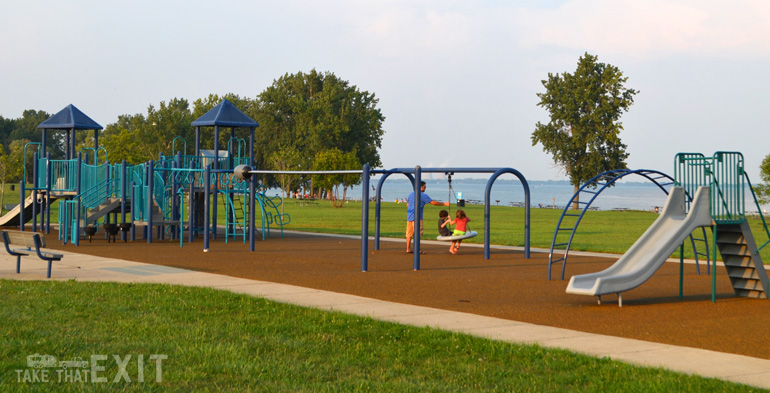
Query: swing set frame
[415,176]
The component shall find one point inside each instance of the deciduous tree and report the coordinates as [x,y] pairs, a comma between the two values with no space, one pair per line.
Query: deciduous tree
[335,160]
[583,134]
[763,190]
[315,112]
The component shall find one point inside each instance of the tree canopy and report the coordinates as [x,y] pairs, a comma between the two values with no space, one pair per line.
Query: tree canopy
[583,134]
[312,112]
[303,117]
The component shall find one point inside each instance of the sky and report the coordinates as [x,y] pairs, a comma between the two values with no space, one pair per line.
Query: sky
[457,81]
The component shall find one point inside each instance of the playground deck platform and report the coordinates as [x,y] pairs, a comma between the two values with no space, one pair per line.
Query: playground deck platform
[508,291]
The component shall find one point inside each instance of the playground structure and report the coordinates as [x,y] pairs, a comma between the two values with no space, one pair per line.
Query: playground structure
[415,175]
[164,198]
[718,184]
[152,196]
[570,220]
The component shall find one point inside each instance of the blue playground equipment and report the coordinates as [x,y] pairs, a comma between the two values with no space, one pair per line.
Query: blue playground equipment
[415,175]
[164,198]
[708,191]
[570,219]
[149,196]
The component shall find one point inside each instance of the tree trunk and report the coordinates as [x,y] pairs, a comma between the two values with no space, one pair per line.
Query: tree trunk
[575,204]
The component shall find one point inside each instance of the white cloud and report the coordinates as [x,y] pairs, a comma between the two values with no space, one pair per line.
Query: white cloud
[650,28]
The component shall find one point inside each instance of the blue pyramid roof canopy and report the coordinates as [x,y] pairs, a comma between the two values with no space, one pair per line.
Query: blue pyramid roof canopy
[226,115]
[70,118]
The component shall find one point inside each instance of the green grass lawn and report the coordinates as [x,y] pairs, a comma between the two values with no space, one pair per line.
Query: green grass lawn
[219,341]
[211,340]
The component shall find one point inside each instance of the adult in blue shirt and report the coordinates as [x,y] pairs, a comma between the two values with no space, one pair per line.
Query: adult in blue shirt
[410,216]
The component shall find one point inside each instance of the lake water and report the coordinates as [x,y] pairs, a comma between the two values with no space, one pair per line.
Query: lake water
[505,192]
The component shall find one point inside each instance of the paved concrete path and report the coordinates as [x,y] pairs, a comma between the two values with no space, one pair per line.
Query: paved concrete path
[730,367]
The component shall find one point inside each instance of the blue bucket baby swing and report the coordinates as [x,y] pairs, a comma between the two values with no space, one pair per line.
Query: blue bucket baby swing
[460,203]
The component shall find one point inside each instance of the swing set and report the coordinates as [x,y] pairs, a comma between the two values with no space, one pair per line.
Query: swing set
[468,234]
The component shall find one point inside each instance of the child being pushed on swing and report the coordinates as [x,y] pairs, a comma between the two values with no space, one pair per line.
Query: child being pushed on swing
[461,226]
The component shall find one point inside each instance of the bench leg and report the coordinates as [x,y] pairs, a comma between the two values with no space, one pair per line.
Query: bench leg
[18,264]
[50,261]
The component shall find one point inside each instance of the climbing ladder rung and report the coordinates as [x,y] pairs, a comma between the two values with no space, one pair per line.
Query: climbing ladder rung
[559,245]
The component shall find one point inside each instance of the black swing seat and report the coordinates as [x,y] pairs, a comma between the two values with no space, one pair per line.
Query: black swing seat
[467,235]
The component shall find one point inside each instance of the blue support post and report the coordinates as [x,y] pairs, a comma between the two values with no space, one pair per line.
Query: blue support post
[487,207]
[21,204]
[49,177]
[133,210]
[79,190]
[365,219]
[148,202]
[252,211]
[417,216]
[191,205]
[216,185]
[377,208]
[123,196]
[206,205]
[34,193]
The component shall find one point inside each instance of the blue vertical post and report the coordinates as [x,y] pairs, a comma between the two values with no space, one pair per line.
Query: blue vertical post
[377,209]
[123,196]
[417,216]
[42,196]
[34,193]
[216,183]
[148,202]
[106,185]
[197,141]
[21,203]
[206,205]
[191,204]
[252,212]
[365,219]
[714,263]
[178,196]
[48,186]
[43,144]
[79,190]
[133,210]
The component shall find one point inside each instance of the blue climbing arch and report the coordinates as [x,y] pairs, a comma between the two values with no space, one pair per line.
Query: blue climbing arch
[586,195]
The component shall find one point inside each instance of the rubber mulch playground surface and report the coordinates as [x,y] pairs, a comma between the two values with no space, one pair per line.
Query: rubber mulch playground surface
[506,286]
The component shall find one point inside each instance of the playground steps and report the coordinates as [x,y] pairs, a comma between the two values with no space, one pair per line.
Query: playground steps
[742,261]
[102,210]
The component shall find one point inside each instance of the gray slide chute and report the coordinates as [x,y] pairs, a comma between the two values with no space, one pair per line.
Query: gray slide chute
[11,218]
[644,258]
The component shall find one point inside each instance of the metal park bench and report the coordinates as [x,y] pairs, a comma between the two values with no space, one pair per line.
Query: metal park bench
[25,243]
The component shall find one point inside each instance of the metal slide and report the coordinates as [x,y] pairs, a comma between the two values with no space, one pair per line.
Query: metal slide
[644,258]
[12,217]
